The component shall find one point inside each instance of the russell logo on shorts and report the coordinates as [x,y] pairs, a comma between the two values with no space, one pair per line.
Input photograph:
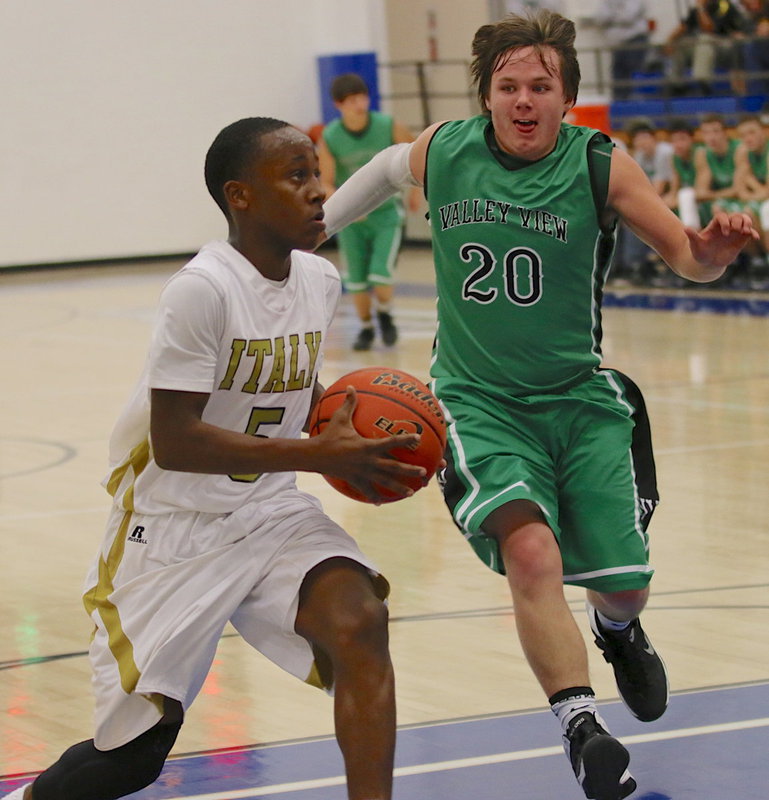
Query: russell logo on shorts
[137,535]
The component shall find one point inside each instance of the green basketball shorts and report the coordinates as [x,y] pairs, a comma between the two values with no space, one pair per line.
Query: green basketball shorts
[583,456]
[369,250]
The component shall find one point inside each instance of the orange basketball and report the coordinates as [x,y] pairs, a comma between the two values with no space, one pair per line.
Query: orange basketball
[390,402]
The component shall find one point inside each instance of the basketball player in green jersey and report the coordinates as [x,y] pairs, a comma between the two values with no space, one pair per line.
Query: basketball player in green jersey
[752,178]
[369,248]
[715,167]
[550,474]
[680,196]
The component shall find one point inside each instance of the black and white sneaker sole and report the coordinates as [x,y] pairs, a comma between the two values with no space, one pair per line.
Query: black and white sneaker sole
[603,770]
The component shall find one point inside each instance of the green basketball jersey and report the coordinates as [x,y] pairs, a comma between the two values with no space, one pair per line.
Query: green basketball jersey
[685,169]
[520,257]
[352,149]
[759,162]
[722,166]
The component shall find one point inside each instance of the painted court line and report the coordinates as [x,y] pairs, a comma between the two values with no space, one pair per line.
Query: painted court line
[477,761]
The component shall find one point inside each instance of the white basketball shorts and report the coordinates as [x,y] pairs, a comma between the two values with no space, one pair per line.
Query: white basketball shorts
[164,586]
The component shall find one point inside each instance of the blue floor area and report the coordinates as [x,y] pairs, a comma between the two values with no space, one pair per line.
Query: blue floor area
[710,745]
[751,305]
[706,301]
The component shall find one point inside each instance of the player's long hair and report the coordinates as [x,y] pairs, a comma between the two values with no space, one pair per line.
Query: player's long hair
[494,44]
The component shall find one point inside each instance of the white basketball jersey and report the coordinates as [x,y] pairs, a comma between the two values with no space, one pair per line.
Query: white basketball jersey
[254,346]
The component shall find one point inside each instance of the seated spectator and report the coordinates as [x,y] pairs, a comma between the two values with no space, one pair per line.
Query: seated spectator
[680,195]
[715,181]
[715,167]
[639,262]
[752,180]
[625,24]
[524,7]
[755,49]
[703,40]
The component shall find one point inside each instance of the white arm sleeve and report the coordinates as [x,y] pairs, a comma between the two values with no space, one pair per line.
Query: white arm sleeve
[387,173]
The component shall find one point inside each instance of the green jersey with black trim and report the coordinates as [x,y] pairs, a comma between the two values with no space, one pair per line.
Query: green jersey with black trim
[521,253]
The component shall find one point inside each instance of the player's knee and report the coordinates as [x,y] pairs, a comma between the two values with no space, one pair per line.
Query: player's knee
[357,630]
[141,761]
[531,553]
[620,605]
[367,623]
[87,773]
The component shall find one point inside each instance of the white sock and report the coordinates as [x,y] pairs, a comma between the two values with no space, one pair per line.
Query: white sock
[611,624]
[566,709]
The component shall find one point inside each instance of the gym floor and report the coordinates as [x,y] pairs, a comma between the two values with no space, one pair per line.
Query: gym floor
[472,720]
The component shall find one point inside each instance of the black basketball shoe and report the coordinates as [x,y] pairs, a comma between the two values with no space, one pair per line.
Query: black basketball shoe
[364,340]
[598,759]
[640,673]
[387,328]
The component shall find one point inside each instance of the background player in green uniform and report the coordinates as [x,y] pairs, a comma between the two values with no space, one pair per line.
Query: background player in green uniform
[550,474]
[715,167]
[680,196]
[752,178]
[369,247]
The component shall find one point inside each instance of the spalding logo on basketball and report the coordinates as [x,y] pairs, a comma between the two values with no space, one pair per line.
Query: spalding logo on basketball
[390,402]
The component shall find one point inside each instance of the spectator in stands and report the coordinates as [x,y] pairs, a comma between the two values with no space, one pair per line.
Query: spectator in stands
[703,40]
[639,262]
[625,24]
[752,180]
[755,49]
[680,195]
[715,179]
[524,7]
[715,166]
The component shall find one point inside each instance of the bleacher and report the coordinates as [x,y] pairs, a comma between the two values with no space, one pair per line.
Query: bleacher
[650,101]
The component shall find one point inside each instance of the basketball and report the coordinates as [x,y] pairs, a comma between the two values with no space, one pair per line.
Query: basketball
[390,402]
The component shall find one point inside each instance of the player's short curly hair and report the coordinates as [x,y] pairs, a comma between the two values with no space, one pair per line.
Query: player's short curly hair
[232,150]
[493,44]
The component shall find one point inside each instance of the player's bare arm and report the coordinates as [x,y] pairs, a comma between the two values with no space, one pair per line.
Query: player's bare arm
[182,441]
[327,169]
[317,392]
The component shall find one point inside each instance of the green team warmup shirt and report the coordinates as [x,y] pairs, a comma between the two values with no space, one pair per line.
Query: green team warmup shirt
[519,265]
[759,162]
[722,167]
[686,170]
[352,149]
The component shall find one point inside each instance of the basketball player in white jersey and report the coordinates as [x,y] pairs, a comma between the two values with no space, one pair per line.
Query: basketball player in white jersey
[208,525]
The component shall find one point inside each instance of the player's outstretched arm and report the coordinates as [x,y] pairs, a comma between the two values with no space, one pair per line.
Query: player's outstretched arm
[393,169]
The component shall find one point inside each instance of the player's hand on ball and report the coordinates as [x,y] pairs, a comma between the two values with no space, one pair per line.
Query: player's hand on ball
[366,464]
[399,413]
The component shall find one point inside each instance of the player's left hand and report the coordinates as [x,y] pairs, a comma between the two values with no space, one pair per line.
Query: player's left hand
[722,239]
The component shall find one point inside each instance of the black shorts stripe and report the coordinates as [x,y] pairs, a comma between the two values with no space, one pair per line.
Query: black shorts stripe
[641,449]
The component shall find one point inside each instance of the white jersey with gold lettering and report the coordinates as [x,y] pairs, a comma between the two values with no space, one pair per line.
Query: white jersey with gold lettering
[255,346]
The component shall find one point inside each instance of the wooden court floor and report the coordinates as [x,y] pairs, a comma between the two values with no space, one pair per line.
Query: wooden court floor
[71,345]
